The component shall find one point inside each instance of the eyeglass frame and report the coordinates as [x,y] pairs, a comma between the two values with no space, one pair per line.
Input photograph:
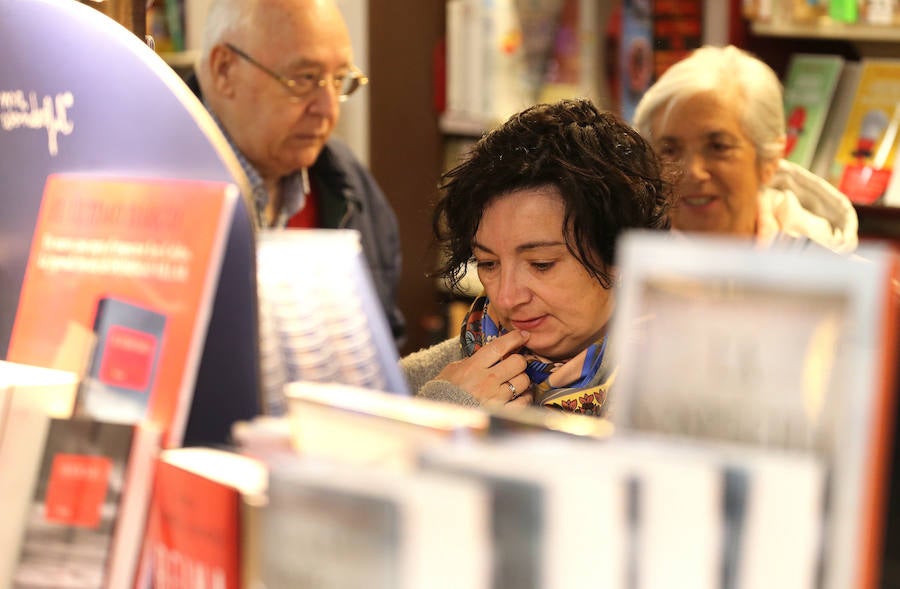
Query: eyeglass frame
[291,84]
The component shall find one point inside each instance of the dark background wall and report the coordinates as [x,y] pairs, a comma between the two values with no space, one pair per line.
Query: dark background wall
[406,144]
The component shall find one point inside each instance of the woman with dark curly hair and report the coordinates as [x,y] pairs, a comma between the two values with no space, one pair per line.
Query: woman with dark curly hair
[538,205]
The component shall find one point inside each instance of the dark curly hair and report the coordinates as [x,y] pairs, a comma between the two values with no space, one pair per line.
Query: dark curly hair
[609,177]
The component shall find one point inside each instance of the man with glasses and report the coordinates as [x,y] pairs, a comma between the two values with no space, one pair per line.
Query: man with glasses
[273,74]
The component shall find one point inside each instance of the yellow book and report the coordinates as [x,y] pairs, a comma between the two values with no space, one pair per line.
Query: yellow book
[865,155]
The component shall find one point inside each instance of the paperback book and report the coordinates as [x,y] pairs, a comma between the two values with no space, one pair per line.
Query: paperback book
[204,519]
[809,86]
[85,525]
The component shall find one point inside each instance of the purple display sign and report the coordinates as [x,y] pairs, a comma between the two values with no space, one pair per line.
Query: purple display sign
[81,93]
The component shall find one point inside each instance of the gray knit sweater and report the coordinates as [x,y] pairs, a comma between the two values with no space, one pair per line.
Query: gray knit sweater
[421,369]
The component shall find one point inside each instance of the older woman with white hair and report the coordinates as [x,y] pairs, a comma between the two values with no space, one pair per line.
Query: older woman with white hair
[719,116]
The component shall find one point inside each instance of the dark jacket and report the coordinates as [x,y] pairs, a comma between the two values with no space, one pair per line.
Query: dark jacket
[340,178]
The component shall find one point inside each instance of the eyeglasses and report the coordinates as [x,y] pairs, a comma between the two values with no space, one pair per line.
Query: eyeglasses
[343,84]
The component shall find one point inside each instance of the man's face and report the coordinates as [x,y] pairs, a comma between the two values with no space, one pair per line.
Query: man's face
[278,131]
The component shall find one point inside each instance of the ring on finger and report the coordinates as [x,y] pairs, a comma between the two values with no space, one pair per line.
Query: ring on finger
[511,387]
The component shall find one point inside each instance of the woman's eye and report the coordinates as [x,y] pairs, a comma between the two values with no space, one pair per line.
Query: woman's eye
[667,152]
[485,265]
[542,266]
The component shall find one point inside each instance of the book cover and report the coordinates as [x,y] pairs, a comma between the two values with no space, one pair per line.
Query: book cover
[866,152]
[134,261]
[123,362]
[809,86]
[86,522]
[200,527]
[788,349]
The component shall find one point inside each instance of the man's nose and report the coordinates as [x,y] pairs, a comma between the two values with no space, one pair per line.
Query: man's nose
[325,101]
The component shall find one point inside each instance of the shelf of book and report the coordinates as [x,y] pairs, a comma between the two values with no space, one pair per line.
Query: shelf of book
[832,30]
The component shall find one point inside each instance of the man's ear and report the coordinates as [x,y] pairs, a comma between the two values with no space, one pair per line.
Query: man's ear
[221,69]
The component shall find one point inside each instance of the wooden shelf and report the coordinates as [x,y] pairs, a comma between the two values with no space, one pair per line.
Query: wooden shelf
[180,59]
[878,222]
[829,30]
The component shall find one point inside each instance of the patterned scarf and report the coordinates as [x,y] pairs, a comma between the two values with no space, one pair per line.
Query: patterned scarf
[577,385]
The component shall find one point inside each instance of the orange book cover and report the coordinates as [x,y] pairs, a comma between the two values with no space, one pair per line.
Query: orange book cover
[119,286]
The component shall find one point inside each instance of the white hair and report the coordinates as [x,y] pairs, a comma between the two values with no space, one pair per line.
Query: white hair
[748,83]
[223,18]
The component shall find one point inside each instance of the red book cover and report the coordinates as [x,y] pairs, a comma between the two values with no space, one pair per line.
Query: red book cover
[119,285]
[76,489]
[197,524]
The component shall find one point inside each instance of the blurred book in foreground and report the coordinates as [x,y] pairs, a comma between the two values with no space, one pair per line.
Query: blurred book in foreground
[777,348]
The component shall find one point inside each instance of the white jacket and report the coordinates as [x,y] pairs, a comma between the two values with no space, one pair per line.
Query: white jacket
[798,203]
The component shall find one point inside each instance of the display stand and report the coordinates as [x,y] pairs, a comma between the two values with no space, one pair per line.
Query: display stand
[80,93]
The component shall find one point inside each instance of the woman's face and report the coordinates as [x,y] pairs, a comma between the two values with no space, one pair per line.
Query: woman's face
[532,280]
[720,171]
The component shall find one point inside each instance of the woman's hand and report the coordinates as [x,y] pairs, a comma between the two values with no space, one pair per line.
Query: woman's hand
[493,374]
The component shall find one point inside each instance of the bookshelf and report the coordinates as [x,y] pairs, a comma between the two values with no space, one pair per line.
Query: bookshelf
[856,33]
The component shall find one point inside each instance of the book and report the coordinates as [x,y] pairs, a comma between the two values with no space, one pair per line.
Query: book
[124,360]
[678,29]
[365,426]
[323,322]
[654,513]
[823,163]
[809,85]
[636,60]
[135,262]
[194,19]
[740,496]
[333,524]
[550,508]
[204,519]
[86,523]
[493,70]
[790,349]
[29,397]
[562,55]
[867,148]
